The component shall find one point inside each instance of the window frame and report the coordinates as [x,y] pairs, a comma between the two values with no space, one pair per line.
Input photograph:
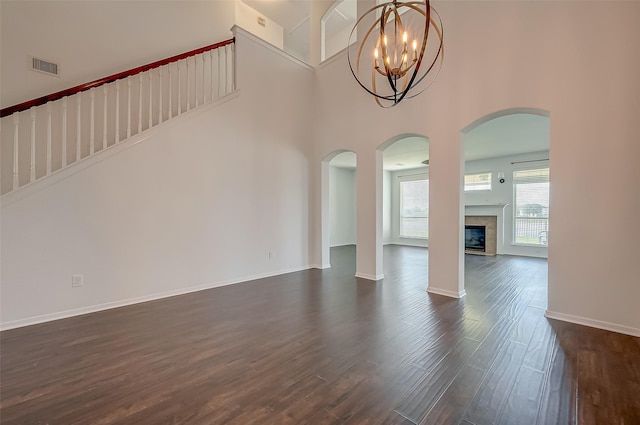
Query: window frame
[544,165]
[406,179]
[464,182]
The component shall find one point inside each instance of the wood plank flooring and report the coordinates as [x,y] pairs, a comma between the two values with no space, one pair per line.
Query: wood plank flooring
[322,347]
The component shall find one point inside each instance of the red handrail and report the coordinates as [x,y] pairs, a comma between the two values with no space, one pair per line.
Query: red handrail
[83,87]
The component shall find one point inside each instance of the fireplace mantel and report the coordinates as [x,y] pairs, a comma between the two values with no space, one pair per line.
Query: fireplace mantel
[486,206]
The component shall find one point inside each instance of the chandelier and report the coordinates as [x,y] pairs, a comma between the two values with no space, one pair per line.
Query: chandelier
[403,49]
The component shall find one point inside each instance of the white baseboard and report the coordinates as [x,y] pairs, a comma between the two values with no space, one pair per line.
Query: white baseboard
[320,266]
[446,292]
[627,330]
[136,300]
[370,276]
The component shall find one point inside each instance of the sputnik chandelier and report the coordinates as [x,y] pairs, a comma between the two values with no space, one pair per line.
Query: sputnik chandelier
[392,68]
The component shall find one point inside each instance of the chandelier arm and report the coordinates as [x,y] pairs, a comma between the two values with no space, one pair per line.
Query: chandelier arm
[439,55]
[376,95]
[398,74]
[367,35]
[410,85]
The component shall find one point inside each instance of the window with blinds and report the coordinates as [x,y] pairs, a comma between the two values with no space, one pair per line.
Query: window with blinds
[478,181]
[414,209]
[531,206]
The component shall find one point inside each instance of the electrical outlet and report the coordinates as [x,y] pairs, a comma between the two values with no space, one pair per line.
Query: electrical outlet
[77,281]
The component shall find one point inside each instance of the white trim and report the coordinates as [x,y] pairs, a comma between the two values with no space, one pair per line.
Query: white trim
[137,300]
[71,169]
[335,57]
[320,266]
[370,276]
[446,292]
[236,30]
[628,330]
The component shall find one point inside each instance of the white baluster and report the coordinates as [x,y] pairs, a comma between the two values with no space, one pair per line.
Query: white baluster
[219,72]
[32,165]
[48,138]
[204,91]
[104,117]
[233,66]
[150,101]
[64,132]
[228,69]
[188,91]
[140,103]
[211,74]
[195,78]
[128,107]
[92,142]
[170,95]
[117,135]
[78,125]
[179,89]
[16,140]
[160,95]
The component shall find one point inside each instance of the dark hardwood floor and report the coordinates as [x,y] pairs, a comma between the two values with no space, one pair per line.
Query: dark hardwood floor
[322,347]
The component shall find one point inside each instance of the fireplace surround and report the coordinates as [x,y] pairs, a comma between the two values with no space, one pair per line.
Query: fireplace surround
[490,224]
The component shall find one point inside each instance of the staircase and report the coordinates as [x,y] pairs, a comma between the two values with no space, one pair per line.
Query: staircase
[49,134]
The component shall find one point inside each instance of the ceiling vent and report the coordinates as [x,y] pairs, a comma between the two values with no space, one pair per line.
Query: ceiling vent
[41,65]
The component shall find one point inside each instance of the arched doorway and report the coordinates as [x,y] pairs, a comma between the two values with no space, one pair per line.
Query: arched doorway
[506,182]
[338,174]
[403,170]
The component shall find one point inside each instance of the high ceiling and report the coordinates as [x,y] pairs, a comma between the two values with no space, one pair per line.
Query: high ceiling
[507,135]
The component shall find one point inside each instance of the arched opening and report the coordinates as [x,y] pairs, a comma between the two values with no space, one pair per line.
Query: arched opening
[338,206]
[404,211]
[506,185]
[335,27]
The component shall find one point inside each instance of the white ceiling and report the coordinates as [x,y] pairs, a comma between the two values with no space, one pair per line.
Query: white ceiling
[504,136]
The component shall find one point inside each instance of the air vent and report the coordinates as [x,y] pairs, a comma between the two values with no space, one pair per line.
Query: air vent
[41,65]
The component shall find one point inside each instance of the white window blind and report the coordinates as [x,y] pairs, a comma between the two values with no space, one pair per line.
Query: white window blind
[531,211]
[414,209]
[477,181]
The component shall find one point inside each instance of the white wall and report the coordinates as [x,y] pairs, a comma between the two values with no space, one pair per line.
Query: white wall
[342,189]
[386,207]
[200,202]
[503,194]
[498,57]
[130,239]
[247,18]
[95,39]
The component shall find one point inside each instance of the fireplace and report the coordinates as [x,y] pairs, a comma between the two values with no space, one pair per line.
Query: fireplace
[474,238]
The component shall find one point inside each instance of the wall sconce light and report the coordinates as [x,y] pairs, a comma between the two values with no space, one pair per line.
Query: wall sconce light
[500,176]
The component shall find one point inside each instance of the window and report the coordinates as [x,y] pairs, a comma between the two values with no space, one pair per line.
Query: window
[336,27]
[414,209]
[531,210]
[478,181]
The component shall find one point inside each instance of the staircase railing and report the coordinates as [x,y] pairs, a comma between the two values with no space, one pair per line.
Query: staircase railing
[48,134]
